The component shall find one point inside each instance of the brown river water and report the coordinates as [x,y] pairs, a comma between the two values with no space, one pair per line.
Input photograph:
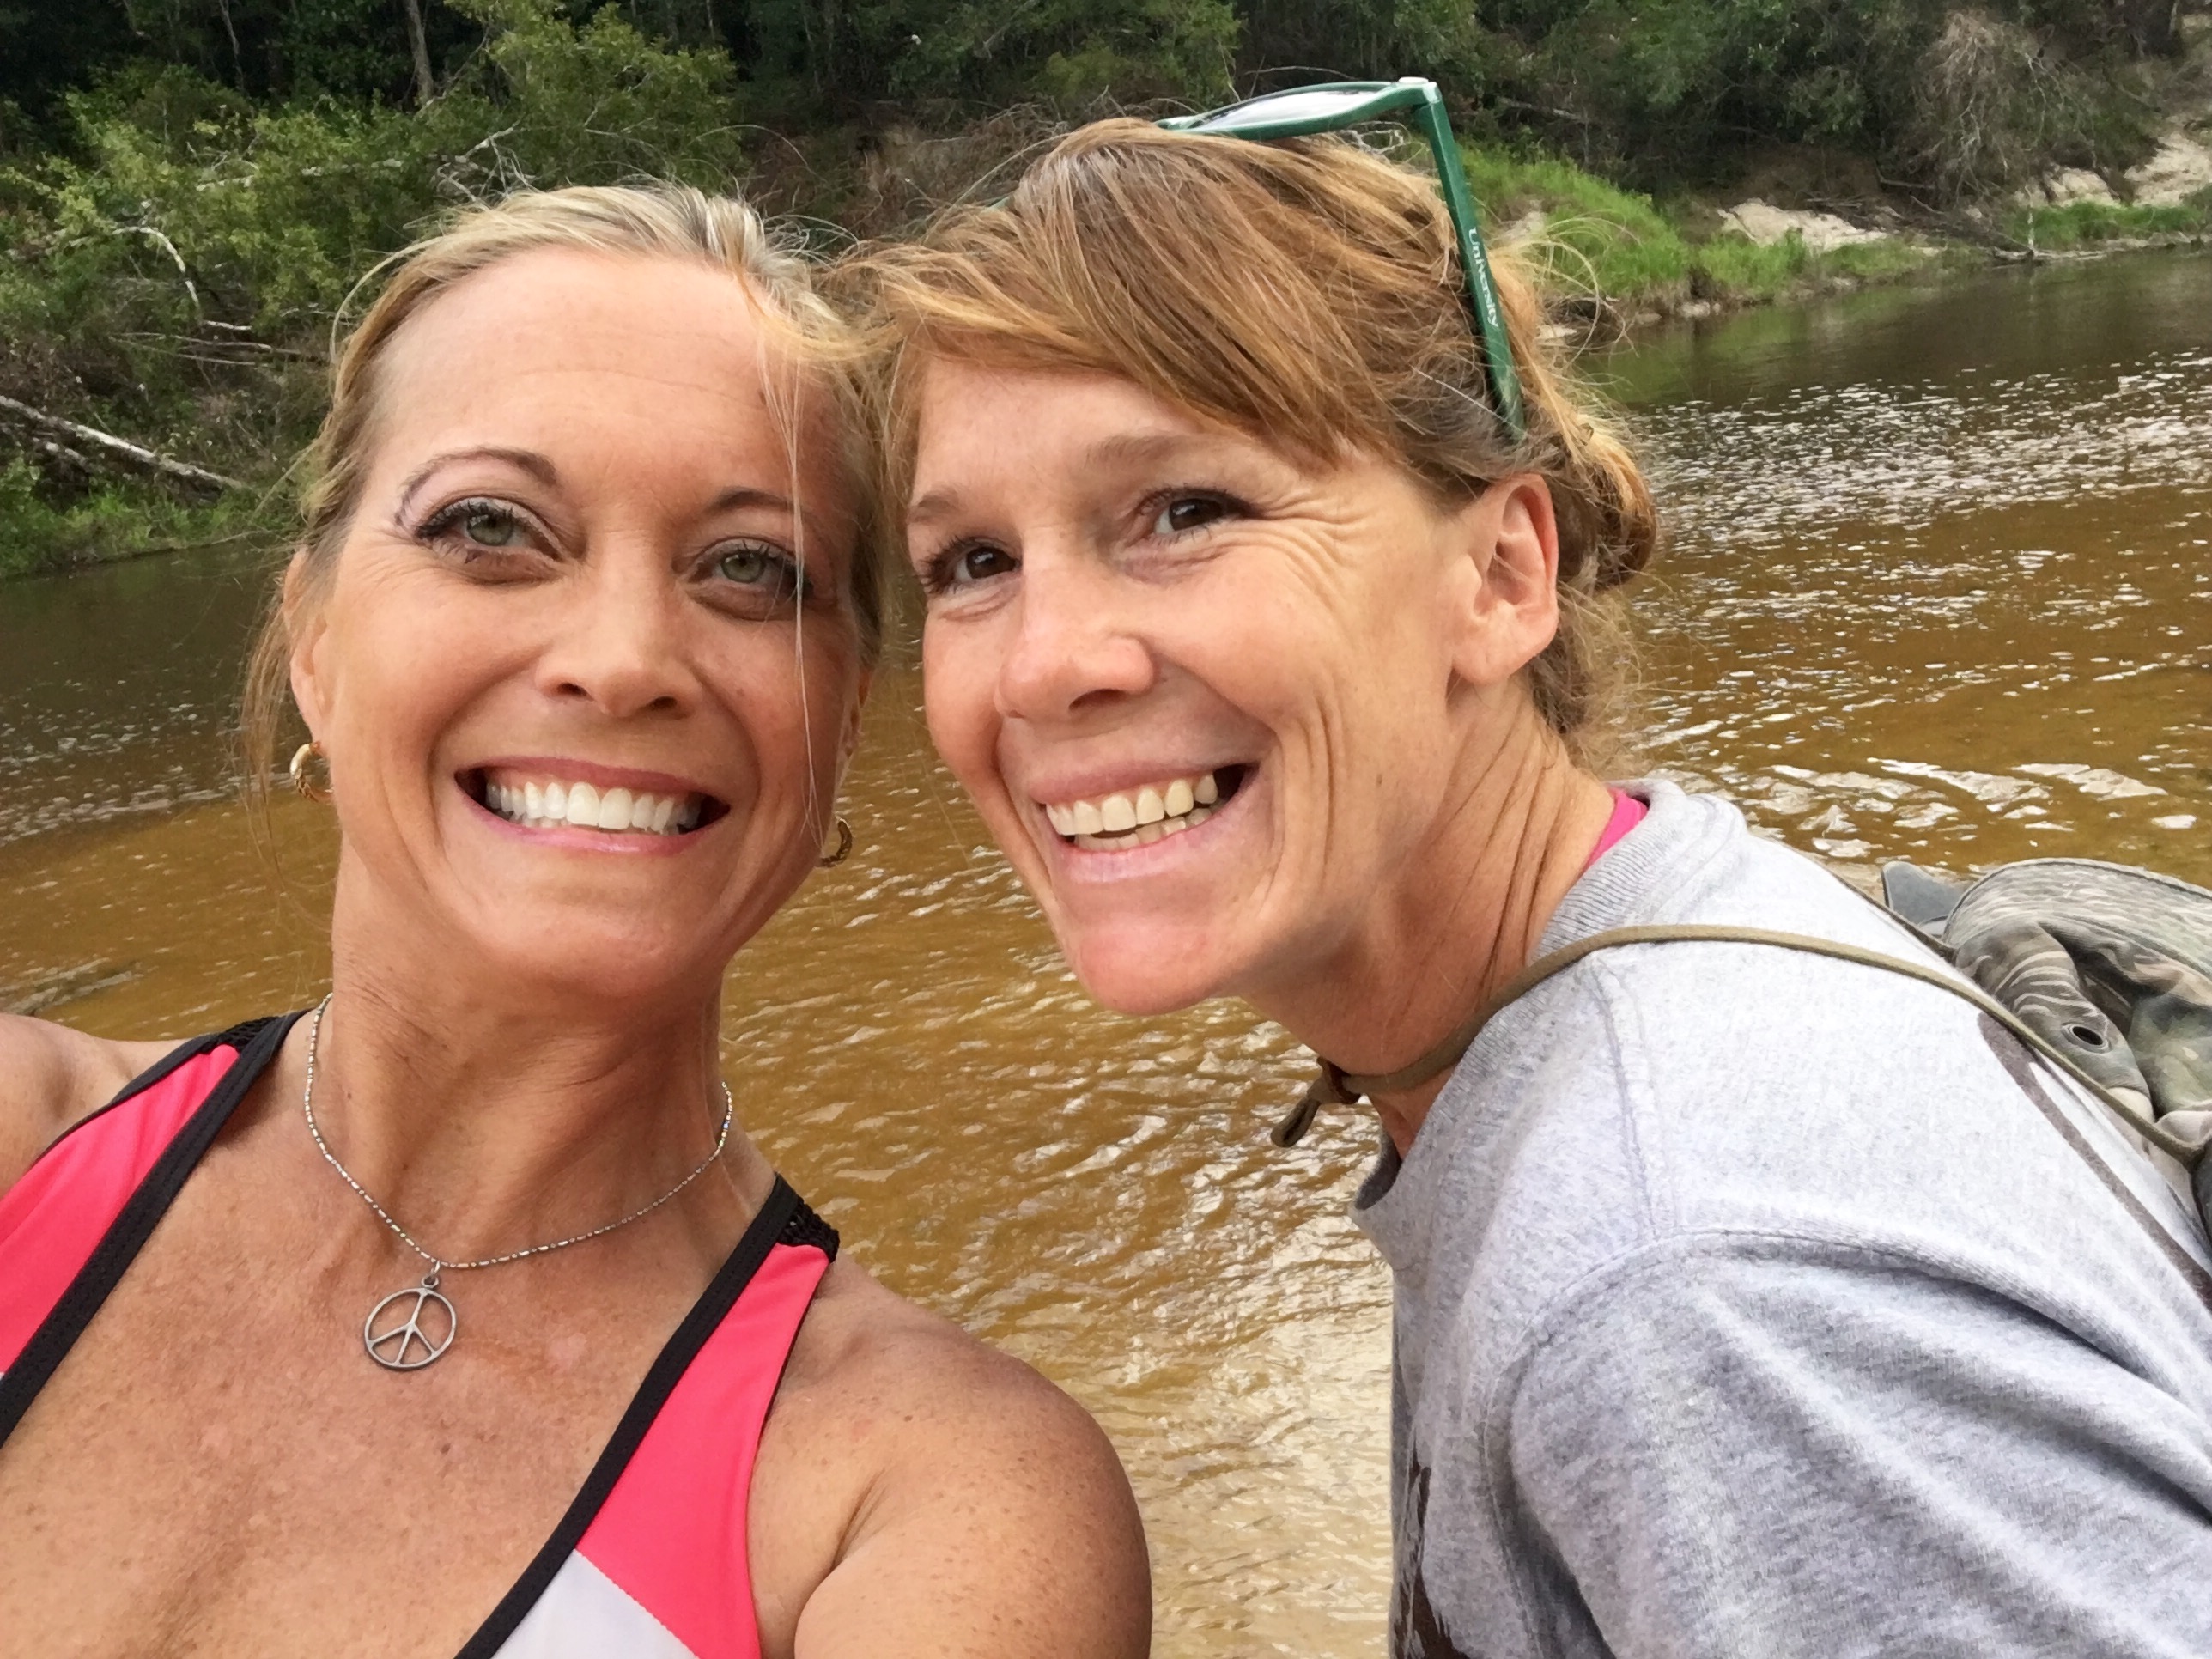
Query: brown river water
[1940,588]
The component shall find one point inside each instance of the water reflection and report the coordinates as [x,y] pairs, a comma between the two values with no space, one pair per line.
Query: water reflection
[1940,589]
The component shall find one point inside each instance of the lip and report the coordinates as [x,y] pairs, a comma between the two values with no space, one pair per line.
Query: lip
[601,778]
[592,840]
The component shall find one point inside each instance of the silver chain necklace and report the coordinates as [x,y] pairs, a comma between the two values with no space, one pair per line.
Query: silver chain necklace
[425,1324]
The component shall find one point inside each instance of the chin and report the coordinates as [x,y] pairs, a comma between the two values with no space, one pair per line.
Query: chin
[1144,977]
[620,964]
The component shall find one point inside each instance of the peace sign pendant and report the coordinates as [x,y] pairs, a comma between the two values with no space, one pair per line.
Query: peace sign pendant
[421,1326]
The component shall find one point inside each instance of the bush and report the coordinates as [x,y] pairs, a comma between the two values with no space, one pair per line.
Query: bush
[36,535]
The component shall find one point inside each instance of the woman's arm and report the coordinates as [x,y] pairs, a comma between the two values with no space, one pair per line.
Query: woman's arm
[1755,1446]
[50,1077]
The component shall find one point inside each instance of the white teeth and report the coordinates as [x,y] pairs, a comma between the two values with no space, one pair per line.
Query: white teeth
[552,804]
[1139,817]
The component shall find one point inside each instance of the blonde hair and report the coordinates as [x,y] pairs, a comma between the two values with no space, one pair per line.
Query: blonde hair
[1307,293]
[663,220]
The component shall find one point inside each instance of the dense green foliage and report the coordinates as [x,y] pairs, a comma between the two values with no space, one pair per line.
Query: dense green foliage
[190,188]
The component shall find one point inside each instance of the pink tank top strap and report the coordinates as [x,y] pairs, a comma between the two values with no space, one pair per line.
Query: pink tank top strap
[650,1561]
[653,1563]
[1627,814]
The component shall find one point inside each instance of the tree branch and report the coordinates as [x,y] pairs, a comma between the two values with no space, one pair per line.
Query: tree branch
[137,455]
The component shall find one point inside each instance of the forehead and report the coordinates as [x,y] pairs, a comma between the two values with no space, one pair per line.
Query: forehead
[967,413]
[560,350]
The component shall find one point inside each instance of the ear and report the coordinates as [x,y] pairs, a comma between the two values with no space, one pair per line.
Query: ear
[1509,606]
[304,625]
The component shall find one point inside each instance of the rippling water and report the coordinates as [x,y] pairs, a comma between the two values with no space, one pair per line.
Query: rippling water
[1942,588]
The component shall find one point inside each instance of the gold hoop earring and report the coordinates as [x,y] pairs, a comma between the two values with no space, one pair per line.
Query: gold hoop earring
[831,861]
[301,757]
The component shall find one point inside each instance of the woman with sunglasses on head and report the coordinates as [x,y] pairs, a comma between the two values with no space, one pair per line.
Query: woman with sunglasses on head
[459,1315]
[1748,1301]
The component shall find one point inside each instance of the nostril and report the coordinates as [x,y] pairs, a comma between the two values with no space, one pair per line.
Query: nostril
[2088,1037]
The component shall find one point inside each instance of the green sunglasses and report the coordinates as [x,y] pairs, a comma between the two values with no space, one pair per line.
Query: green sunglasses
[1306,111]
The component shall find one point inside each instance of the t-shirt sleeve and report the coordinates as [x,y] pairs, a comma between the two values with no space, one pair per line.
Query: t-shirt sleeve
[1742,1448]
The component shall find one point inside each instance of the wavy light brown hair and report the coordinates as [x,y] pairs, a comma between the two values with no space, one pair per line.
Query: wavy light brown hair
[1307,293]
[662,221]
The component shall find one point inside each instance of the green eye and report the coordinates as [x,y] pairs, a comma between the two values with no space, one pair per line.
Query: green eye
[750,565]
[488,529]
[765,571]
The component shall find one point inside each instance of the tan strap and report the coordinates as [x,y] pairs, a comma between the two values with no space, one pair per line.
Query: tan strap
[1335,1086]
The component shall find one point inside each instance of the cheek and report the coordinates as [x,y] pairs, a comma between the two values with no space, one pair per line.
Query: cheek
[958,671]
[400,671]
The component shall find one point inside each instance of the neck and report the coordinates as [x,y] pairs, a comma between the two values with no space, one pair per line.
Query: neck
[487,1115]
[1461,916]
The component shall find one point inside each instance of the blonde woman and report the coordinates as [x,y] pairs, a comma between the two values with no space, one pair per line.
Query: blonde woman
[1747,1301]
[459,1315]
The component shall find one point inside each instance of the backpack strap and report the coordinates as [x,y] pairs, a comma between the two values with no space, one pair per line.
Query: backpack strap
[1334,1086]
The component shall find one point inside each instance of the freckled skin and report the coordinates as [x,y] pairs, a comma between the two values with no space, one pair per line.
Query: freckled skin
[1407,821]
[522,1043]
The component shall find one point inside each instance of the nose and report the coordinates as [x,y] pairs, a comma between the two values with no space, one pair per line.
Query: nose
[1076,645]
[621,646]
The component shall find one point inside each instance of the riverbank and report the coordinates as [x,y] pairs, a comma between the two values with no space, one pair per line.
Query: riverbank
[1622,261]
[171,275]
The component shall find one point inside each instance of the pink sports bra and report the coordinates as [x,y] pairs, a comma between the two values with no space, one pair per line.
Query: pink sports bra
[649,1560]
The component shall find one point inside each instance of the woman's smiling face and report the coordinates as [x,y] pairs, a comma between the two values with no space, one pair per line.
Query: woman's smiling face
[586,667]
[1209,698]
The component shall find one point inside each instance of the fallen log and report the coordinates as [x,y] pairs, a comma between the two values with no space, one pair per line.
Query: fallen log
[182,473]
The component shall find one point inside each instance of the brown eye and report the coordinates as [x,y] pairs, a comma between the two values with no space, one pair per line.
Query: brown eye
[980,564]
[1187,513]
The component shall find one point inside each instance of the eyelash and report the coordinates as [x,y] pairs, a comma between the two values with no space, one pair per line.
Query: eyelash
[1159,502]
[442,524]
[797,587]
[937,573]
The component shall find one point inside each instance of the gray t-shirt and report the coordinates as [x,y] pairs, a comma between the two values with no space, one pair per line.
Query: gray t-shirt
[1752,1304]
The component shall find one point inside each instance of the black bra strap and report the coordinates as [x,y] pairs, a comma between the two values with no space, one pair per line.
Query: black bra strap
[127,1235]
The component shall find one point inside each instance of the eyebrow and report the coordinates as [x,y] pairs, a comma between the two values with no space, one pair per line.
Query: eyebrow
[747,496]
[528,460]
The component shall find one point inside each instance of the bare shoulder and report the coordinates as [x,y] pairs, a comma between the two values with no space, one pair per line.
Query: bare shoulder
[50,1077]
[978,1510]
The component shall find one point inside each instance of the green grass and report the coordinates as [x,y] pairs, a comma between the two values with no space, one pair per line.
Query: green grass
[2085,224]
[1620,247]
[113,522]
